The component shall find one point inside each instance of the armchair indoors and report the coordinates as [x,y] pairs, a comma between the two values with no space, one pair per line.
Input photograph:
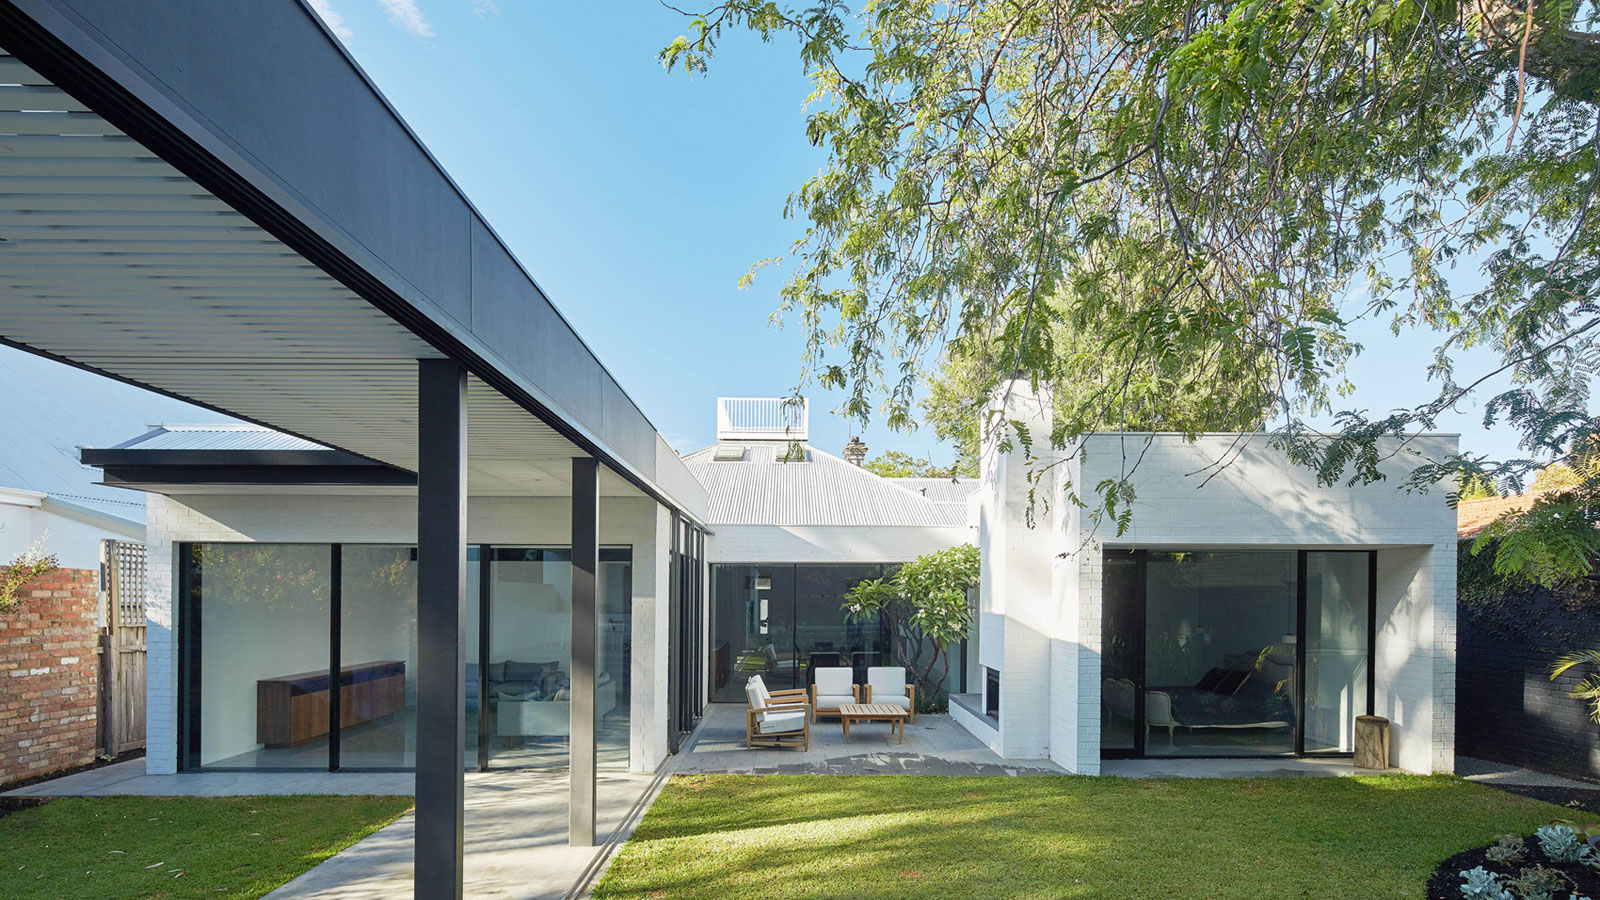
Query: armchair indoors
[775,718]
[888,684]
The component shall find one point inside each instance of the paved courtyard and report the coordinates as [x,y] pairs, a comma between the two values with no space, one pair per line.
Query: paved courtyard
[934,745]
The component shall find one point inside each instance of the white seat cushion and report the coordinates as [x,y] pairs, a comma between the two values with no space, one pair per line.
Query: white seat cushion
[834,701]
[901,701]
[752,692]
[781,722]
[835,680]
[887,682]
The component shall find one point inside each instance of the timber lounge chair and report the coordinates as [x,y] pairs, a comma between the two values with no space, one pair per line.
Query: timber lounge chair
[887,684]
[833,689]
[776,718]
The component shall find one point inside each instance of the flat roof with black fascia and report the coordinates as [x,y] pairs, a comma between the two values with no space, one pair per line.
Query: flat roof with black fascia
[213,201]
[175,458]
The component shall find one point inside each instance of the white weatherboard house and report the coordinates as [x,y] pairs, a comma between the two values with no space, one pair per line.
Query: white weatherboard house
[1247,611]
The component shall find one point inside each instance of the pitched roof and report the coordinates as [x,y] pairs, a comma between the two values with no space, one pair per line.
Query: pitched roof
[756,487]
[51,409]
[1472,516]
[216,436]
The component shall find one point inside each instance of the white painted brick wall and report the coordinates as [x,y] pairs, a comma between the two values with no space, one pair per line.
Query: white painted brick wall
[392,519]
[1048,642]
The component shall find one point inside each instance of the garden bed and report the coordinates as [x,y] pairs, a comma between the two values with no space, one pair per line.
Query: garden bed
[1446,884]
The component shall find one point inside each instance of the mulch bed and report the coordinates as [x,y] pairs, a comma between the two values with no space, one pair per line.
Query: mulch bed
[62,773]
[1446,881]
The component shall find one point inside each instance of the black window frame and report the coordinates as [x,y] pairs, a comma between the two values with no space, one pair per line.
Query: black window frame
[1137,751]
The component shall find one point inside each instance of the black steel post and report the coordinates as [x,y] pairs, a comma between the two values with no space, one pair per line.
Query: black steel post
[585,627]
[441,595]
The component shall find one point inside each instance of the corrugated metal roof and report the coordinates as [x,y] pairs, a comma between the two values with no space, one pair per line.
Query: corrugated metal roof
[51,410]
[217,437]
[823,490]
[940,490]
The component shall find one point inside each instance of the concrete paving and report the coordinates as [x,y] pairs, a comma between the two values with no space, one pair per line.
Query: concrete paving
[934,745]
[129,778]
[516,846]
[1232,768]
[516,826]
[1505,773]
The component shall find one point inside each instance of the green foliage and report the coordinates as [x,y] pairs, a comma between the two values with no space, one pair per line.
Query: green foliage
[1560,844]
[1174,212]
[1551,541]
[1507,850]
[33,563]
[927,599]
[1588,689]
[1475,486]
[1482,884]
[1540,883]
[897,464]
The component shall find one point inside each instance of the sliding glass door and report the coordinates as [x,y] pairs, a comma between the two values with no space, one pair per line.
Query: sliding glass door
[1212,653]
[304,656]
[783,621]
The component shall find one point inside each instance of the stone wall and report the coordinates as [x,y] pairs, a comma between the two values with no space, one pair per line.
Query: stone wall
[49,675]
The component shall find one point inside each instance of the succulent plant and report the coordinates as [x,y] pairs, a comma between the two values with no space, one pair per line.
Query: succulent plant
[1482,884]
[1539,883]
[1560,844]
[1507,850]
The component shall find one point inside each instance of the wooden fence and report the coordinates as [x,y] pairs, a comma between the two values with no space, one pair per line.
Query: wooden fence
[122,646]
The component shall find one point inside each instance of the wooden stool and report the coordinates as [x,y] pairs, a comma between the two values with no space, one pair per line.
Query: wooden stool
[1372,742]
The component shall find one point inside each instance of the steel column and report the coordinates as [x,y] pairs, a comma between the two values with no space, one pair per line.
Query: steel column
[441,595]
[585,628]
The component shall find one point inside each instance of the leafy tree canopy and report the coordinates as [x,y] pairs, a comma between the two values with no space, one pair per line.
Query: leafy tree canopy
[1204,196]
[898,464]
[928,607]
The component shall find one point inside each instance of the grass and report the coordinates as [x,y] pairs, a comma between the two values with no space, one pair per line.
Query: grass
[178,848]
[1052,838]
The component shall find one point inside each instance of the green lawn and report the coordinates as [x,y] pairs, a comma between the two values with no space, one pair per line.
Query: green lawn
[220,848]
[933,838]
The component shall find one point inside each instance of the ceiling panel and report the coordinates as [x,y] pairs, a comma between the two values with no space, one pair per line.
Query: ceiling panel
[113,259]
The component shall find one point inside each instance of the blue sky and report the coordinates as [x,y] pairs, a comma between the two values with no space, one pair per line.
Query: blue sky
[638,197]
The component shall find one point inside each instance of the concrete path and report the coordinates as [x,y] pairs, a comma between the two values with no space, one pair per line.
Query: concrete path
[516,826]
[1505,773]
[516,847]
[1232,768]
[934,745]
[128,778]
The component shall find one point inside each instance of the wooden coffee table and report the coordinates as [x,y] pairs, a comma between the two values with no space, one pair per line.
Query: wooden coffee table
[874,712]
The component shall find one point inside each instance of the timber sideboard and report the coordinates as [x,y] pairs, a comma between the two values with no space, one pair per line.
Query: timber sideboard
[291,709]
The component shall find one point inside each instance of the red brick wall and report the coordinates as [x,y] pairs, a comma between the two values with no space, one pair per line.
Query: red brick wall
[49,673]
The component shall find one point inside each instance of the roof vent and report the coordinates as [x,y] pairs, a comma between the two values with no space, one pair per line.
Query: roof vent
[762,418]
[728,453]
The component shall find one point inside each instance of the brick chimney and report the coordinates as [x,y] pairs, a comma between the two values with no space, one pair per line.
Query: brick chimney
[855,452]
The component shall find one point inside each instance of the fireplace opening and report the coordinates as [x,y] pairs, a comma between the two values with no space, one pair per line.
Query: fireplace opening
[991,693]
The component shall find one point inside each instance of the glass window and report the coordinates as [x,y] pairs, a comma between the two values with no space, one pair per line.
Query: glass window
[378,656]
[1337,597]
[1220,636]
[263,624]
[530,653]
